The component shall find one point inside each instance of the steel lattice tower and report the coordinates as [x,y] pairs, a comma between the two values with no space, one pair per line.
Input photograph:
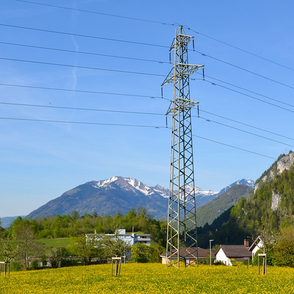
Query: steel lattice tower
[181,223]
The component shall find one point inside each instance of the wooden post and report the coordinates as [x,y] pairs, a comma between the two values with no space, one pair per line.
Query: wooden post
[6,265]
[263,255]
[116,263]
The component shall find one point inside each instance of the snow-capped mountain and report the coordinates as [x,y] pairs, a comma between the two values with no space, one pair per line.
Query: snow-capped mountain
[249,183]
[116,194]
[131,184]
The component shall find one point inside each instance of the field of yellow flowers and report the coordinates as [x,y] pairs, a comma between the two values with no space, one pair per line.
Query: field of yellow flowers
[150,278]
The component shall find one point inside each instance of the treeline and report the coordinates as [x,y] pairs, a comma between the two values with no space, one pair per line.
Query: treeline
[75,225]
[21,247]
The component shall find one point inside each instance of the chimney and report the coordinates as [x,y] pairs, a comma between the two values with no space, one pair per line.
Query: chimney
[246,243]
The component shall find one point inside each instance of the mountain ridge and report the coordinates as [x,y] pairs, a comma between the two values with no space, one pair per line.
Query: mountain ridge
[113,195]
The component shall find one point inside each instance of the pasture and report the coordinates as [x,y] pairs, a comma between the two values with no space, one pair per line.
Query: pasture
[150,278]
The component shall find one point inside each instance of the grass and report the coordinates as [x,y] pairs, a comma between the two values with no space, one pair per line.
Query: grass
[55,242]
[150,278]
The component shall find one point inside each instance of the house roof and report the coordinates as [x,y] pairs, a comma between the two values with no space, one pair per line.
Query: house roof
[255,243]
[191,252]
[235,251]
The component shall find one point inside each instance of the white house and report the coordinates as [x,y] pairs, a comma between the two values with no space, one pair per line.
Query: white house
[225,253]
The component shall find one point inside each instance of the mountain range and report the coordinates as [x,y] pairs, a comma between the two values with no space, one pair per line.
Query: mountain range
[120,194]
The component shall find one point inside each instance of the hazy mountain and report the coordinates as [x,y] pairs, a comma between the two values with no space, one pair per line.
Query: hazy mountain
[7,221]
[209,212]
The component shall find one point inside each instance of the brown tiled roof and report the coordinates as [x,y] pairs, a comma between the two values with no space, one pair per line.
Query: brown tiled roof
[235,251]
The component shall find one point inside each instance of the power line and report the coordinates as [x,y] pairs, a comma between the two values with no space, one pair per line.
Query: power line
[82,35]
[247,125]
[98,13]
[80,108]
[240,49]
[162,23]
[247,132]
[147,113]
[150,74]
[139,73]
[151,113]
[247,95]
[247,90]
[82,52]
[127,125]
[83,91]
[80,66]
[245,70]
[148,44]
[80,122]
[231,146]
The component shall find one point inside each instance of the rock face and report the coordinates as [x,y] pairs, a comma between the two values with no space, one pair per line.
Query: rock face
[284,162]
[276,199]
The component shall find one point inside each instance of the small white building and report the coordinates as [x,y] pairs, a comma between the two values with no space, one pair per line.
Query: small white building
[226,253]
[128,239]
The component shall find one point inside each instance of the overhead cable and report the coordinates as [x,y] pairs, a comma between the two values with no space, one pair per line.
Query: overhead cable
[149,44]
[81,67]
[161,23]
[127,125]
[98,13]
[247,90]
[81,35]
[144,113]
[82,52]
[245,70]
[82,91]
[240,49]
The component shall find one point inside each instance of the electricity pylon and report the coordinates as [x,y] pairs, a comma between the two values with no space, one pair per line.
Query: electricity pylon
[181,222]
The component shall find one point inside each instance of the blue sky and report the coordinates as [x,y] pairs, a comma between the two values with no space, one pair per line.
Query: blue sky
[112,62]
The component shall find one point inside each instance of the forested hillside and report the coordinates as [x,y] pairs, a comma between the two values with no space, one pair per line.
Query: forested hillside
[266,212]
[209,212]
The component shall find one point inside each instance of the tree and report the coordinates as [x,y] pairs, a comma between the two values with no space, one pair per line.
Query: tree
[8,249]
[112,246]
[86,249]
[28,247]
[284,251]
[140,253]
[56,256]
